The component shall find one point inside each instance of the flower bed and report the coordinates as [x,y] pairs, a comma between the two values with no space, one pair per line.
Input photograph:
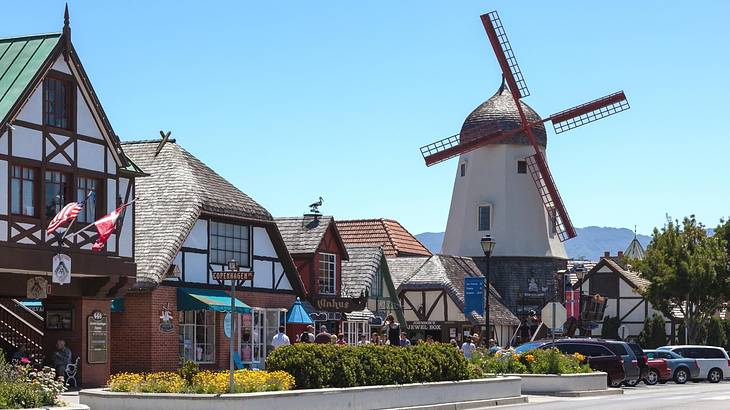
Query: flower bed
[23,386]
[319,366]
[548,361]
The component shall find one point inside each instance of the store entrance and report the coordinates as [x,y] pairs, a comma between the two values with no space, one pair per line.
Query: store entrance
[257,329]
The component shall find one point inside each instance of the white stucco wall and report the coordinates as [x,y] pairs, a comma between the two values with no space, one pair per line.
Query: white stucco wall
[4,142]
[91,156]
[33,108]
[196,267]
[262,245]
[198,236]
[519,219]
[27,143]
[85,123]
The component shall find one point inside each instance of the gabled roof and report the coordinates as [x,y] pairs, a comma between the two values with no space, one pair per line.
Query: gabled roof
[21,61]
[304,234]
[178,191]
[359,272]
[634,279]
[390,234]
[448,272]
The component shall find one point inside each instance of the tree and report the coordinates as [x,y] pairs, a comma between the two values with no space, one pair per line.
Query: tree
[654,333]
[609,330]
[716,332]
[688,270]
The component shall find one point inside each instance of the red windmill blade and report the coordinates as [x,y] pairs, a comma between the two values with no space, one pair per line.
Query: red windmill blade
[562,121]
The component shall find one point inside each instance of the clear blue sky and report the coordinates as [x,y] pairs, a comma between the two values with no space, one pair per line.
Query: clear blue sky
[293,100]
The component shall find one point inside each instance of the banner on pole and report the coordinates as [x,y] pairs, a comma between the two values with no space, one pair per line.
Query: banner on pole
[474,295]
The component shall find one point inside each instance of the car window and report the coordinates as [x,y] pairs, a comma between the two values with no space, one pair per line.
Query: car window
[653,355]
[682,352]
[671,355]
[638,351]
[568,348]
[710,353]
[592,350]
[618,348]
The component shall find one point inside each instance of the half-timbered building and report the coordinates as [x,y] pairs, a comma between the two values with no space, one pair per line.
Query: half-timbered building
[431,292]
[190,223]
[58,146]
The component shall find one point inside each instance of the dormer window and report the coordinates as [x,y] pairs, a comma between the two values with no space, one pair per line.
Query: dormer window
[57,102]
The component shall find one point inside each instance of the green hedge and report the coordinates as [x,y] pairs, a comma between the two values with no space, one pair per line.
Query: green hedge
[316,366]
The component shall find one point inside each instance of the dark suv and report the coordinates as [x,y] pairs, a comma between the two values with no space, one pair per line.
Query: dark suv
[642,358]
[597,353]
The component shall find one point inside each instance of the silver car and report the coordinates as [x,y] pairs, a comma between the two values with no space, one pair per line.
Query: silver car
[713,361]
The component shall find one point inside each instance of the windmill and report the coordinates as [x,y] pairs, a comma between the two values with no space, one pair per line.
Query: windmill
[477,137]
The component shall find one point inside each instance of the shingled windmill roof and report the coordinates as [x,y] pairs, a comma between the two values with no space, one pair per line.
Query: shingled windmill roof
[180,189]
[448,272]
[500,113]
[388,233]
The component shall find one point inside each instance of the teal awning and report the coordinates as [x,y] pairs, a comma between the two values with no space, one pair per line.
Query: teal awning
[33,304]
[297,314]
[207,299]
[118,305]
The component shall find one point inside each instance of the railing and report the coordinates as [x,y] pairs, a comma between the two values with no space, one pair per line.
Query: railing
[14,330]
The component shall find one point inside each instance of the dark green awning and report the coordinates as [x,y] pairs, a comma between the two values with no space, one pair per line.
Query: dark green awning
[118,305]
[208,299]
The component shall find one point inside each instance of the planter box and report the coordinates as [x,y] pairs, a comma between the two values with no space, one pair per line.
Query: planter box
[563,383]
[355,398]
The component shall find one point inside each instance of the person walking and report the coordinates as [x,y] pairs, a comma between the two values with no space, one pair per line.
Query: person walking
[341,340]
[308,335]
[323,337]
[280,339]
[375,338]
[393,329]
[468,348]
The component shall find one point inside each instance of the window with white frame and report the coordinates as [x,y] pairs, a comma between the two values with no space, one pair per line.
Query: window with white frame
[376,289]
[484,217]
[197,336]
[327,273]
[229,241]
[354,329]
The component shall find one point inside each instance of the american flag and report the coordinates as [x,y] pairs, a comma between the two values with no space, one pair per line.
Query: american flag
[68,213]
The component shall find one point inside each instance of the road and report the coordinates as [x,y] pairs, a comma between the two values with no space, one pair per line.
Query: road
[668,396]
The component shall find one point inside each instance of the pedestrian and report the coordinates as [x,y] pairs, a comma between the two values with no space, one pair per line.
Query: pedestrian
[375,338]
[393,329]
[404,342]
[493,348]
[467,348]
[341,340]
[20,355]
[454,343]
[429,339]
[280,339]
[323,337]
[61,358]
[308,335]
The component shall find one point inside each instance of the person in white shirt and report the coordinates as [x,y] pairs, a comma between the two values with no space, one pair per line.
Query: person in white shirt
[280,339]
[468,348]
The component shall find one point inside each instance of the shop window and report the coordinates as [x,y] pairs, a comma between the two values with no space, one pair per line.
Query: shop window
[57,106]
[94,208]
[57,192]
[257,332]
[354,329]
[229,241]
[197,336]
[23,190]
[485,217]
[327,273]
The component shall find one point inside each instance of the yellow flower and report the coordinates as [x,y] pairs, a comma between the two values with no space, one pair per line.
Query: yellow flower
[515,356]
[579,356]
[530,358]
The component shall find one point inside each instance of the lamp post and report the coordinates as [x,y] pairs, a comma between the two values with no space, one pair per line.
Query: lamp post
[232,267]
[487,246]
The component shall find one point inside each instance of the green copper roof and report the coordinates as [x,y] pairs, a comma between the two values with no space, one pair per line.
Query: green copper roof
[20,60]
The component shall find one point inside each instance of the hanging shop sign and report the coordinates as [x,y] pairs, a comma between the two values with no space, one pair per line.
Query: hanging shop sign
[37,288]
[97,330]
[166,323]
[424,325]
[232,275]
[474,295]
[61,269]
[337,304]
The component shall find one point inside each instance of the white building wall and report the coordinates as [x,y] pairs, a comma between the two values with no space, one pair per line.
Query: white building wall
[4,142]
[111,194]
[58,158]
[32,111]
[262,245]
[91,156]
[61,65]
[196,267]
[519,219]
[278,270]
[111,166]
[27,143]
[85,123]
[198,236]
[3,231]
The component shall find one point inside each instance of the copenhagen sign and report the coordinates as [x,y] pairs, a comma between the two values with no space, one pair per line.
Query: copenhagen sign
[232,275]
[337,304]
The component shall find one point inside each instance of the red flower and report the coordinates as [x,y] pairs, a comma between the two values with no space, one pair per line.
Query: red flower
[24,360]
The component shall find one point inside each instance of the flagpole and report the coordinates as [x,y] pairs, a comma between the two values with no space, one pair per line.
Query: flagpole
[92,224]
[60,242]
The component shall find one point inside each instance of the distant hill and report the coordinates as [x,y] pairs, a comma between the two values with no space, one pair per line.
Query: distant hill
[590,243]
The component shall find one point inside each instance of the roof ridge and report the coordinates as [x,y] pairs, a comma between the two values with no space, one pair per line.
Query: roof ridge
[389,235]
[151,141]
[31,36]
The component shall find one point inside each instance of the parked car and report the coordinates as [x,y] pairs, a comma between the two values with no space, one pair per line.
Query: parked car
[681,369]
[658,372]
[597,353]
[713,361]
[642,359]
[630,361]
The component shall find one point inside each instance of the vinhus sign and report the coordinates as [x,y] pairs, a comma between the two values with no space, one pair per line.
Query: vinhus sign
[337,304]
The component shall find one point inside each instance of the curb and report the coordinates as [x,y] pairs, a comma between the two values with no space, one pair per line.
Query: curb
[589,393]
[466,405]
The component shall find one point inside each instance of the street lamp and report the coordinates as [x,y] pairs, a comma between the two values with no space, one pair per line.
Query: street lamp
[487,246]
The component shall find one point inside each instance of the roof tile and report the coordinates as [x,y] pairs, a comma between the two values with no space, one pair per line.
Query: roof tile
[388,233]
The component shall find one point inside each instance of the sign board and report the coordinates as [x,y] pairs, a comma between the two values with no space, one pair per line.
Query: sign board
[97,330]
[166,323]
[572,303]
[337,304]
[228,325]
[37,288]
[61,269]
[554,315]
[474,295]
[424,325]
[233,275]
[623,332]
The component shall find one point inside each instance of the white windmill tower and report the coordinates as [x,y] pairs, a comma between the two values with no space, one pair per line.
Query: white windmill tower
[501,149]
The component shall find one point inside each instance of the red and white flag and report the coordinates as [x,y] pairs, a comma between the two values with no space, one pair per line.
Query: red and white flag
[106,227]
[67,214]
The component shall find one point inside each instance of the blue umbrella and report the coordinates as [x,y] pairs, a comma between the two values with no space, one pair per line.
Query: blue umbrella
[297,314]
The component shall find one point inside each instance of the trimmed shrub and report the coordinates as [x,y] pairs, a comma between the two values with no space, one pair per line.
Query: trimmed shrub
[716,333]
[609,330]
[317,366]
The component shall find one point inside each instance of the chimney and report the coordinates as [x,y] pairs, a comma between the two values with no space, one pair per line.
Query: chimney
[620,254]
[607,254]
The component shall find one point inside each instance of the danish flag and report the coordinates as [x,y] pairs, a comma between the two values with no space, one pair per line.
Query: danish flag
[67,213]
[106,226]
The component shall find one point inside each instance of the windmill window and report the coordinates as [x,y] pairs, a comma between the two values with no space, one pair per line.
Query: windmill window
[485,218]
[462,169]
[57,104]
[521,167]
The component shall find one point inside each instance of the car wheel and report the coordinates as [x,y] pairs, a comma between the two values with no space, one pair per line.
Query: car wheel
[631,383]
[714,376]
[681,376]
[652,377]
[614,383]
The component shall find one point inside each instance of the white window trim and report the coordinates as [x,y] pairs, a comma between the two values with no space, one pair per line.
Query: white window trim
[491,216]
[334,278]
[195,342]
[463,163]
